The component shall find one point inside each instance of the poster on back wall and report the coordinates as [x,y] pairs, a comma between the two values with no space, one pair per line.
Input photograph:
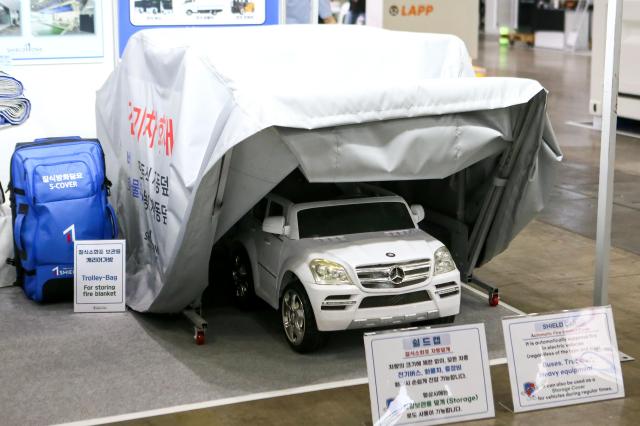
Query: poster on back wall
[51,31]
[197,12]
[136,15]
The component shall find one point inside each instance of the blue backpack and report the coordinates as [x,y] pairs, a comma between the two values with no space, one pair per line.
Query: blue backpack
[58,194]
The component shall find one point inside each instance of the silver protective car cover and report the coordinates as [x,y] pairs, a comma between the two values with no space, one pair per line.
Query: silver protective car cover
[199,124]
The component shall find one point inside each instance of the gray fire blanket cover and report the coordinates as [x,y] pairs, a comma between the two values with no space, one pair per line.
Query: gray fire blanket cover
[199,124]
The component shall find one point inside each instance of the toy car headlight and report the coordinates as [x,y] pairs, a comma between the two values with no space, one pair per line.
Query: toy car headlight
[328,272]
[443,261]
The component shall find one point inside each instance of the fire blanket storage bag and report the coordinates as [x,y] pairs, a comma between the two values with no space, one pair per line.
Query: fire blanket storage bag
[58,194]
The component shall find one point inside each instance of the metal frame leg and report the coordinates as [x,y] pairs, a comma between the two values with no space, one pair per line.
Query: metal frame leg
[493,293]
[479,233]
[194,314]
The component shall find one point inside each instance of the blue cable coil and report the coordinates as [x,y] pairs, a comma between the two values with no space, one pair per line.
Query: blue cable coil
[14,108]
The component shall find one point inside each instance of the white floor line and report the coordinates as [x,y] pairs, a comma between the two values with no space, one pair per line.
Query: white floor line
[587,125]
[261,395]
[583,124]
[218,402]
[485,296]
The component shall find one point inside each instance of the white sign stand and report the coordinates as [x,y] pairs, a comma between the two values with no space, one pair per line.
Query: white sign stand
[99,276]
[426,376]
[607,152]
[563,358]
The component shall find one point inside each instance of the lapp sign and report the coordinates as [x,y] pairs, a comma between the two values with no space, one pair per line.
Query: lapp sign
[421,9]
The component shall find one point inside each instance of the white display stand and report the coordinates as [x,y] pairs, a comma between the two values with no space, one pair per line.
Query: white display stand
[460,18]
[550,39]
[628,101]
[607,152]
[62,95]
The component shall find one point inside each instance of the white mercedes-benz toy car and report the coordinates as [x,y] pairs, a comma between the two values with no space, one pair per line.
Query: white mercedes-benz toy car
[340,257]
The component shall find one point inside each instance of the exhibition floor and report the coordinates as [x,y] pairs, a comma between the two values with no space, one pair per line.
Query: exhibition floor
[549,266]
[63,367]
[82,366]
[559,264]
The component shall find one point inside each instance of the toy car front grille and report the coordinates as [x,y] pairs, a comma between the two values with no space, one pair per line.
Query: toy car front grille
[381,276]
[394,300]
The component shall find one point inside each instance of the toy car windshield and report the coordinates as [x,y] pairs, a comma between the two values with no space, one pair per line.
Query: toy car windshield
[353,219]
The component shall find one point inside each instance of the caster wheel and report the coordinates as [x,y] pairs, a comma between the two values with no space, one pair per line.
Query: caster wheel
[199,337]
[494,299]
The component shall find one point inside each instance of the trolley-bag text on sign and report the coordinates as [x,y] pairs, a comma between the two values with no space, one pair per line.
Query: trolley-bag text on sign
[58,194]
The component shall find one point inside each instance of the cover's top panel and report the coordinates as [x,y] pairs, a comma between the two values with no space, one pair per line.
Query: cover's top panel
[317,76]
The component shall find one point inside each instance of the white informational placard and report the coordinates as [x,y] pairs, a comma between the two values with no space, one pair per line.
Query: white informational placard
[99,276]
[562,358]
[429,375]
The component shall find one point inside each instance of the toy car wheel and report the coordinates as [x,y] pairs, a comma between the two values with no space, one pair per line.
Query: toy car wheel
[298,321]
[189,12]
[242,280]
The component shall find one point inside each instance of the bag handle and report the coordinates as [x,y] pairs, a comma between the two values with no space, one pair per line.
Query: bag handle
[114,221]
[17,232]
[2,198]
[57,138]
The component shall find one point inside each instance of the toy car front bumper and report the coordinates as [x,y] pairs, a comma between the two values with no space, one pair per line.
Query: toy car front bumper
[341,307]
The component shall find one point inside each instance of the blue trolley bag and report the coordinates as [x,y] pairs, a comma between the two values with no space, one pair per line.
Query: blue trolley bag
[58,194]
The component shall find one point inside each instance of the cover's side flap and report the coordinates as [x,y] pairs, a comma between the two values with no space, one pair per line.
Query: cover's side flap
[532,167]
[159,117]
[431,147]
[257,165]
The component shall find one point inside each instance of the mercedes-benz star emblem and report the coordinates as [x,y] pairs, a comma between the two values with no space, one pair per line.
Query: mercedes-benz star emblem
[390,254]
[396,275]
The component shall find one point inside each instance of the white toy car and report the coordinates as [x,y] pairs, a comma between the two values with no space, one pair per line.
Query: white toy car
[341,257]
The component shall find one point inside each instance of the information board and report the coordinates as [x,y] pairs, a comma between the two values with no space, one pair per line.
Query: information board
[562,358]
[429,375]
[99,276]
[136,15]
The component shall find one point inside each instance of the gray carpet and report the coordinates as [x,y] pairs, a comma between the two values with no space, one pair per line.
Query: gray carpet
[574,200]
[57,366]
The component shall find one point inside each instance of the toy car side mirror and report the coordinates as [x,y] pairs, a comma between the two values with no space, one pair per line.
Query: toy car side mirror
[274,225]
[417,211]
